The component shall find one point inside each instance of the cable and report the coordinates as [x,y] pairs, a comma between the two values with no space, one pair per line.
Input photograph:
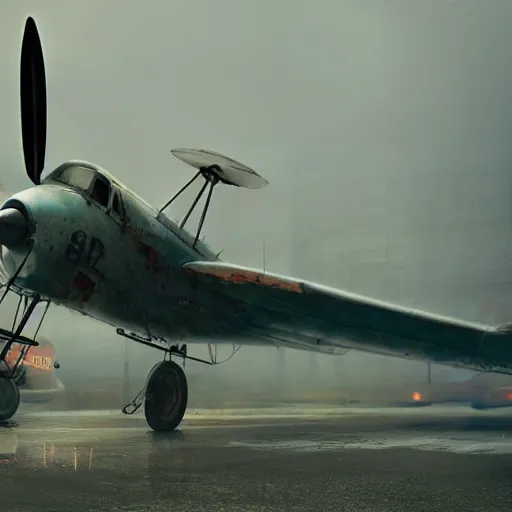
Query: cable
[213,357]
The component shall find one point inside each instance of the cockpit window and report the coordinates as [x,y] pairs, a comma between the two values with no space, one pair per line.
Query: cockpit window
[117,206]
[100,192]
[78,177]
[94,184]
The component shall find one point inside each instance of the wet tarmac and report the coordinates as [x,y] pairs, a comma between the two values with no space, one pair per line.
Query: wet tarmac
[301,459]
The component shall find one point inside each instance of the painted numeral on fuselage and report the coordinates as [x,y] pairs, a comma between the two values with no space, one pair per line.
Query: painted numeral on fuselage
[85,248]
[76,246]
[96,252]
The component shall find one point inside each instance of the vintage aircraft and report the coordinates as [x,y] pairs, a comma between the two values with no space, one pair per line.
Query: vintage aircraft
[82,240]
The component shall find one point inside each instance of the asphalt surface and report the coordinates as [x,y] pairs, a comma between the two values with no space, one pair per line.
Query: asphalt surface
[301,459]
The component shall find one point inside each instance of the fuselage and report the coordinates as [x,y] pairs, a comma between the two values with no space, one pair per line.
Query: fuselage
[99,249]
[121,269]
[113,257]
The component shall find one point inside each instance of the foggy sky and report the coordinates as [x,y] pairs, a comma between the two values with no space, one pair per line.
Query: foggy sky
[383,128]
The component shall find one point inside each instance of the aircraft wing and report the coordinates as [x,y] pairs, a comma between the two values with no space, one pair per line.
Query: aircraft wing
[280,307]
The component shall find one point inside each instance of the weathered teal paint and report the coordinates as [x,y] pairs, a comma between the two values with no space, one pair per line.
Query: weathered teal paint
[151,280]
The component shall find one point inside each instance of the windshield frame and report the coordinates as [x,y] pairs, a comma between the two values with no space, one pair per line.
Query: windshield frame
[56,178]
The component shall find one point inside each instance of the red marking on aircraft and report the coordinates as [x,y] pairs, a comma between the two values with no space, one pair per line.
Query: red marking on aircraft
[251,277]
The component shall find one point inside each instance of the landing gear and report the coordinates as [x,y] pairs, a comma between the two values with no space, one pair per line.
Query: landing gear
[12,371]
[9,398]
[166,396]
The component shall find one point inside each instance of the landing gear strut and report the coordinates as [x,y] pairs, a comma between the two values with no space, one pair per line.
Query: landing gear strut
[165,395]
[11,368]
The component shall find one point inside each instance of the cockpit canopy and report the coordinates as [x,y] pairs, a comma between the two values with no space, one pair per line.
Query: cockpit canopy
[93,184]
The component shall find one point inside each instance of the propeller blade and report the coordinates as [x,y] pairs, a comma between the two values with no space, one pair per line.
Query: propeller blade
[33,102]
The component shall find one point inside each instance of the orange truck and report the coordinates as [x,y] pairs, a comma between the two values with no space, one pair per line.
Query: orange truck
[36,375]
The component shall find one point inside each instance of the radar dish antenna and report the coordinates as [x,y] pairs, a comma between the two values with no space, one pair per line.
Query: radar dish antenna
[214,168]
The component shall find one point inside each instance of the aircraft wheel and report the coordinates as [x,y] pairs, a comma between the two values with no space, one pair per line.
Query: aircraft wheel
[166,396]
[9,399]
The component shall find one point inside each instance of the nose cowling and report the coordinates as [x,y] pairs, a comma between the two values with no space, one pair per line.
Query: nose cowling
[13,228]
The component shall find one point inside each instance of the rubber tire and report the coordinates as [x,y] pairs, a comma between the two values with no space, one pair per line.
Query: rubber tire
[156,390]
[9,399]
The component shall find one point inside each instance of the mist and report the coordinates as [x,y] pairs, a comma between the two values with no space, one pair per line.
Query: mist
[383,129]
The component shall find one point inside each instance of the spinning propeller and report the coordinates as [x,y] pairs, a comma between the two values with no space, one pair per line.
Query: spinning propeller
[13,224]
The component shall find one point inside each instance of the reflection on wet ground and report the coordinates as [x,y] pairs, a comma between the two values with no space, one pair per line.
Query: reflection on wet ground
[282,459]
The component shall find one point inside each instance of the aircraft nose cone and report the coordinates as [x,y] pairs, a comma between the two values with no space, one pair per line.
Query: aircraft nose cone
[13,227]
